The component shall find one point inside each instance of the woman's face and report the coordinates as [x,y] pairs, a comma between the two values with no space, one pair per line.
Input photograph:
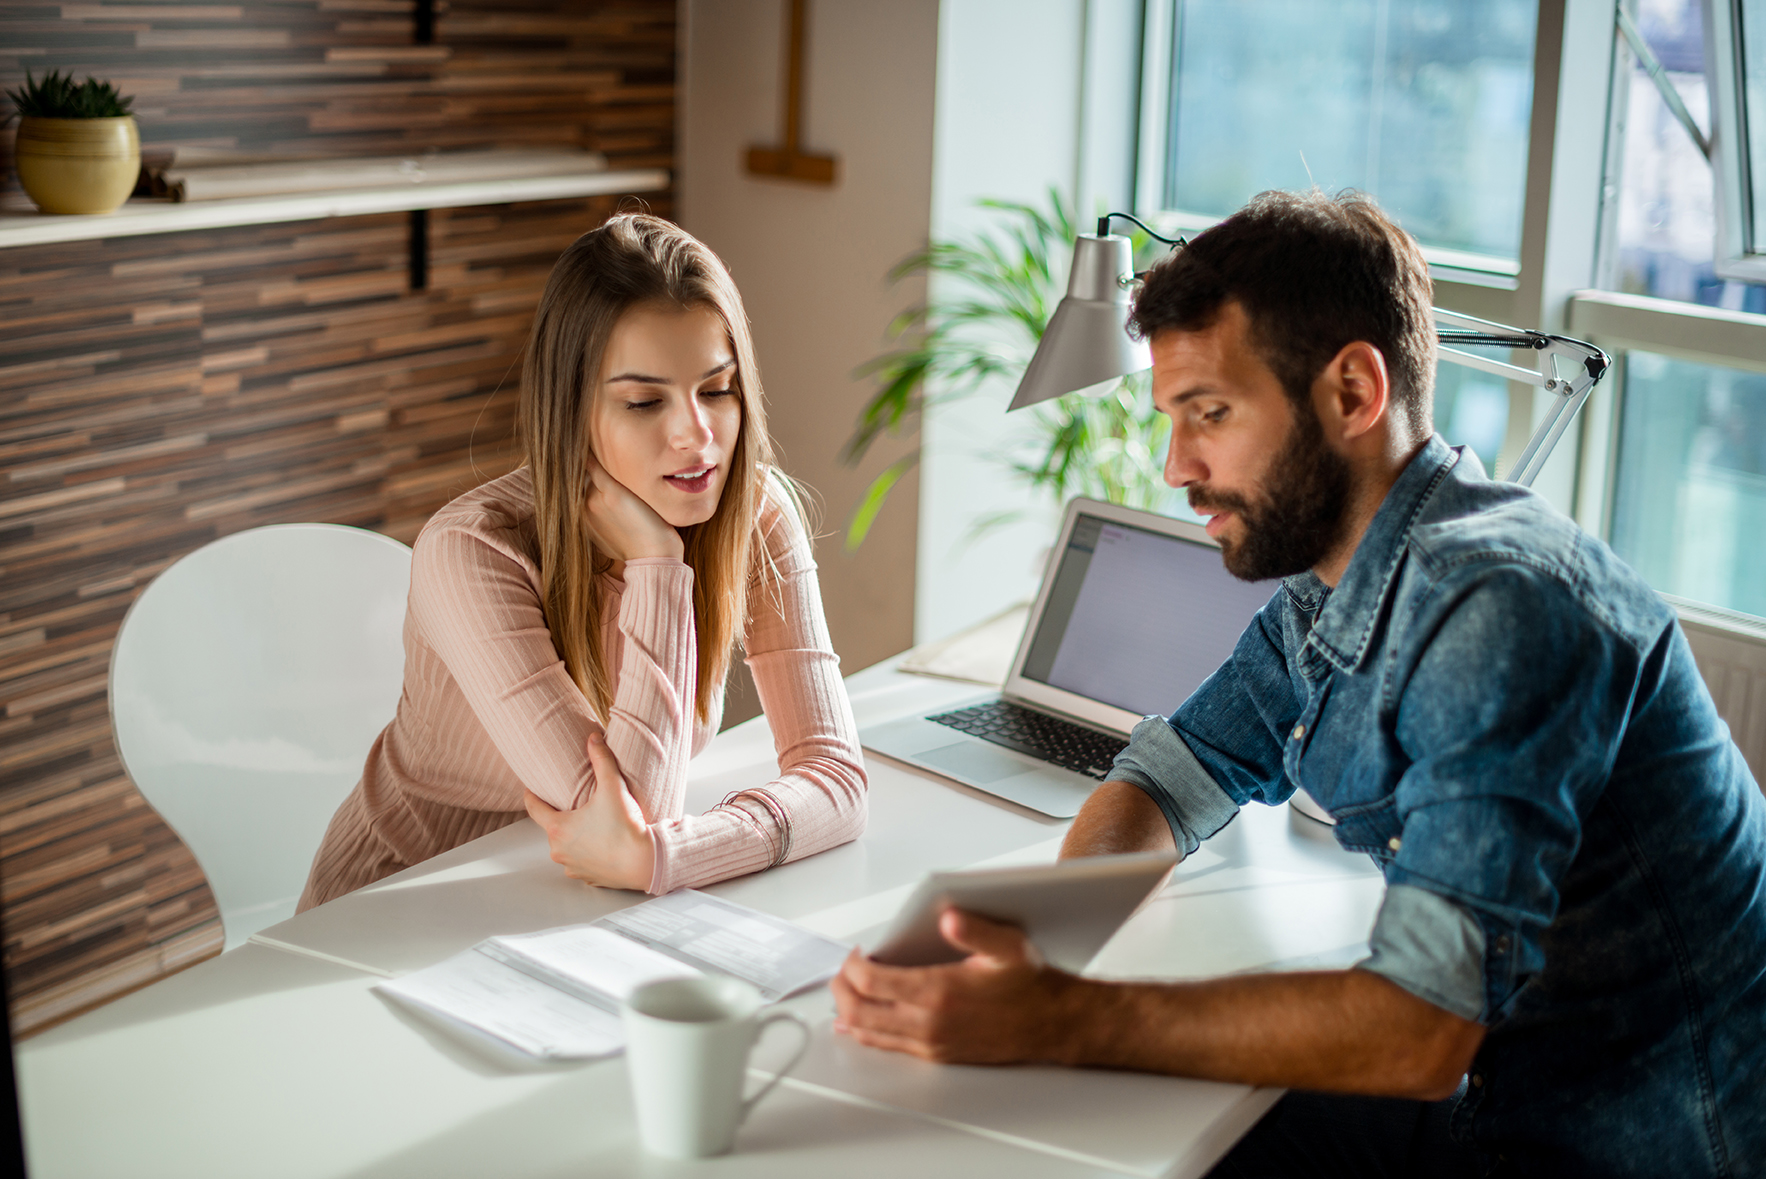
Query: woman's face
[667,414]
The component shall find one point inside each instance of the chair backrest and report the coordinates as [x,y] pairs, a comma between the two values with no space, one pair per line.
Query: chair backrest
[247,684]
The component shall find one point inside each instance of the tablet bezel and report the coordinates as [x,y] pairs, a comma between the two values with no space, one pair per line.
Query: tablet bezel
[1063,907]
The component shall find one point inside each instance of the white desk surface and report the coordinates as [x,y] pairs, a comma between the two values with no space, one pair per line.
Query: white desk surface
[279,1053]
[265,1063]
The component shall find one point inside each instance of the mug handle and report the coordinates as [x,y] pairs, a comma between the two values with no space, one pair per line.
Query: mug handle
[759,1028]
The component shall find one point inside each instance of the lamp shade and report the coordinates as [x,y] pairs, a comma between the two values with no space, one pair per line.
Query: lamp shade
[1086,341]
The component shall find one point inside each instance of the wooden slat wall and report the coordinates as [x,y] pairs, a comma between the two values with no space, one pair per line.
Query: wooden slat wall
[159,392]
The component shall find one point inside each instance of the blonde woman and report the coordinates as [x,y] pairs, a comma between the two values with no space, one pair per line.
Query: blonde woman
[571,623]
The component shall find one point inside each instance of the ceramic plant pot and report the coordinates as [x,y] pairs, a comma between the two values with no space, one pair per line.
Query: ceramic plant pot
[78,165]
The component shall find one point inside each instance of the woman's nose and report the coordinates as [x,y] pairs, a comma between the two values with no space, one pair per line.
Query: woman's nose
[688,427]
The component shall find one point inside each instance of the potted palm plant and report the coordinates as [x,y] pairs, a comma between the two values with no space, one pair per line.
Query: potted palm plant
[1006,286]
[78,149]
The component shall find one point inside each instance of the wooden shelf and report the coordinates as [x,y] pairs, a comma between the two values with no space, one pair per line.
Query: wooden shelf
[143,216]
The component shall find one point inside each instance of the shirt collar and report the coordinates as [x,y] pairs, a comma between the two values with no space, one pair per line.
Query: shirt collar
[1344,629]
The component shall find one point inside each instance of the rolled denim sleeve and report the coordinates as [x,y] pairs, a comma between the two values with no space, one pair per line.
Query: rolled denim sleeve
[1431,947]
[1511,712]
[1158,761]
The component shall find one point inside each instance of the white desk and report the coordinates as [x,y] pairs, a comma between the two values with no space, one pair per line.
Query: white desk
[277,1058]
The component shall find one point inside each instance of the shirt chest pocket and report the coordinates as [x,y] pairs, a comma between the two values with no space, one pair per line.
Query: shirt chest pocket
[1374,828]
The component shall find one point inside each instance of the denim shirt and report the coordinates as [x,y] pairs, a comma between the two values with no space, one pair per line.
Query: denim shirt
[1509,721]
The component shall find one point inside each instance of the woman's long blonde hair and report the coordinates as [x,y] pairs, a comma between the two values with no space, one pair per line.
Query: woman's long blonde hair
[631,260]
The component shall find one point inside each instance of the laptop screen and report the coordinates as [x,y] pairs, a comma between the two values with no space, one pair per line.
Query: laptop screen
[1136,619]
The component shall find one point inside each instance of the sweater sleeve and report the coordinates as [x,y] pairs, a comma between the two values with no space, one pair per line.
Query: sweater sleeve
[821,782]
[474,602]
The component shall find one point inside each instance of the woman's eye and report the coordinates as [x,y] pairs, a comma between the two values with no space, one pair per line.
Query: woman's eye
[643,405]
[726,391]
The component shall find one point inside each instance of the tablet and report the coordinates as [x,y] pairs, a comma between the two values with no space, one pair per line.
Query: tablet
[1069,909]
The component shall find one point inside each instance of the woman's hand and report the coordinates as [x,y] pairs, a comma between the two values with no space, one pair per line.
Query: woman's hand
[605,841]
[621,524]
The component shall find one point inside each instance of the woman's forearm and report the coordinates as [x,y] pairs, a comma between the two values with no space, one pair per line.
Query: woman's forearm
[650,727]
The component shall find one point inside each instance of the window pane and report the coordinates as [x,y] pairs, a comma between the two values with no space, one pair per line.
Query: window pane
[1689,509]
[1665,224]
[1471,409]
[1423,103]
[1752,38]
[1666,227]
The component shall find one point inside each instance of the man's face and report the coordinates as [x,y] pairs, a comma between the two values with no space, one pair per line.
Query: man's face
[1273,492]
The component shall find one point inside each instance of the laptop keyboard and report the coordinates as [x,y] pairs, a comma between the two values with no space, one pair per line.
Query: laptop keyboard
[1063,743]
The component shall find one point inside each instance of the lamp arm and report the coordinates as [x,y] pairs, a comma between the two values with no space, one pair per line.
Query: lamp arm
[1588,364]
[1104,229]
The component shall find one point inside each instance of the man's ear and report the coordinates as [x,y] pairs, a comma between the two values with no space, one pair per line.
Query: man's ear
[1353,394]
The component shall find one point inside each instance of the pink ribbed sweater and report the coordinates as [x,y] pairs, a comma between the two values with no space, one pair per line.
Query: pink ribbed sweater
[488,707]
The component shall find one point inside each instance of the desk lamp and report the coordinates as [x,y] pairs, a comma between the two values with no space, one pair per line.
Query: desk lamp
[1086,343]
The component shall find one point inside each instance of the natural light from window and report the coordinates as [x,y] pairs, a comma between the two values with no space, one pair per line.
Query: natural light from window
[1423,104]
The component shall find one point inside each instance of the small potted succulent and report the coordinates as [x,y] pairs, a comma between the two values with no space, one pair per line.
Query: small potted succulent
[78,150]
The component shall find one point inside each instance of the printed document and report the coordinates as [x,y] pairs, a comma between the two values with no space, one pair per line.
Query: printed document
[556,994]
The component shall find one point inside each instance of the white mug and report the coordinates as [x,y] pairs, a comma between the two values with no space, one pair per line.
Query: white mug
[687,1044]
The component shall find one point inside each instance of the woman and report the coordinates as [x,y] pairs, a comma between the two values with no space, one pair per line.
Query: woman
[602,588]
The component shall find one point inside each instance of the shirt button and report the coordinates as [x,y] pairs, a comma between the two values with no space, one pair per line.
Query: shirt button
[1477,1080]
[1395,843]
[1299,731]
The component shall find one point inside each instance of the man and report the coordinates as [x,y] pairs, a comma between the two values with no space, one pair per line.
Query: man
[1568,972]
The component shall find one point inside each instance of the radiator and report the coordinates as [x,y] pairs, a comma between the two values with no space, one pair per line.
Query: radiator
[1731,654]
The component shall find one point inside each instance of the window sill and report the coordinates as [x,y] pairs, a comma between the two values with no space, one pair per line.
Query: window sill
[1661,325]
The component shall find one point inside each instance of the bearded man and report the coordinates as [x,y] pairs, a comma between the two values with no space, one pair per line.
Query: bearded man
[1568,972]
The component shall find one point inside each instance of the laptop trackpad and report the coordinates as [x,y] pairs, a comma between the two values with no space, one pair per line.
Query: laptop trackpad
[974,761]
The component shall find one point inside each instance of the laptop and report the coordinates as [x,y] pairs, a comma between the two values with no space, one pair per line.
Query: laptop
[1135,611]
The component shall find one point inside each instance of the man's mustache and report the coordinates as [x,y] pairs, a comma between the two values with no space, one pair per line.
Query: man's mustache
[1222,501]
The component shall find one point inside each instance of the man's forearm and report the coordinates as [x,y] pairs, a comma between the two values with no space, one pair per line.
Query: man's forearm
[1116,819]
[1344,1031]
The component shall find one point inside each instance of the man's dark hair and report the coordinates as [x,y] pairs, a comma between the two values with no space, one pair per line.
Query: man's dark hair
[1313,273]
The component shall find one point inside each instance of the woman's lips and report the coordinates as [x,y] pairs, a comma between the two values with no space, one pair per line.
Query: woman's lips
[692,482]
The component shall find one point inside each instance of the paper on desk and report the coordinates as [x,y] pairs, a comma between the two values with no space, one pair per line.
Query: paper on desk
[594,963]
[779,958]
[982,654]
[482,993]
[556,994]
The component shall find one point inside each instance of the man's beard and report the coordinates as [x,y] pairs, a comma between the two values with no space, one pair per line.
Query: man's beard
[1298,515]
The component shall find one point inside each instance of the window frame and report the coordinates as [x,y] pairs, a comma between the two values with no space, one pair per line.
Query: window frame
[1738,256]
[1581,64]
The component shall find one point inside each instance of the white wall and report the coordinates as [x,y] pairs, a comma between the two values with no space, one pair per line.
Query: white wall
[1015,82]
[811,261]
[1023,85]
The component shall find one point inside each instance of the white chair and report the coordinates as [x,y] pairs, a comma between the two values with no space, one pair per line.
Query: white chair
[247,684]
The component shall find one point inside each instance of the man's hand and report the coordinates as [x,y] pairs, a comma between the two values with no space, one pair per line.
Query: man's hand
[1001,1004]
[604,842]
[621,524]
[1347,1031]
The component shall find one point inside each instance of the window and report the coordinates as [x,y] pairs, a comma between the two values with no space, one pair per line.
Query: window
[1737,67]
[1424,103]
[1689,509]
[1471,407]
[1641,224]
[1686,498]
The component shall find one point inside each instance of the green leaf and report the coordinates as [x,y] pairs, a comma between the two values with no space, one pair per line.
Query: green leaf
[58,96]
[996,292]
[872,503]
